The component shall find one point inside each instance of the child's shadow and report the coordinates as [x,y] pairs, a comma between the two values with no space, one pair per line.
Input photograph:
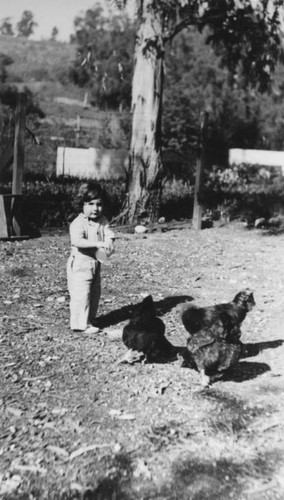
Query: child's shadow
[252,350]
[123,313]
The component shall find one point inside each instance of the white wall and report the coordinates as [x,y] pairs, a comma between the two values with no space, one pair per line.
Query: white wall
[92,163]
[257,157]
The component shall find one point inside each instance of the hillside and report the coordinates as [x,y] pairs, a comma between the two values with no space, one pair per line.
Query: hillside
[43,60]
[42,67]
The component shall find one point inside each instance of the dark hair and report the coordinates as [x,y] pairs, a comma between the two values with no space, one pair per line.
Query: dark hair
[90,191]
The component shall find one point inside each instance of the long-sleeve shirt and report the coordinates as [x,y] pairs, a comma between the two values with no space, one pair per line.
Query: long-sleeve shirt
[82,227]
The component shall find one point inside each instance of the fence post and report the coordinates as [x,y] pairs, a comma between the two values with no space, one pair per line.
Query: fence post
[200,165]
[19,144]
[19,162]
[77,132]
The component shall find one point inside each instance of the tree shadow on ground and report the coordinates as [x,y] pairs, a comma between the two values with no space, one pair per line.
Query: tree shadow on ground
[251,350]
[123,313]
[196,477]
[189,477]
[116,486]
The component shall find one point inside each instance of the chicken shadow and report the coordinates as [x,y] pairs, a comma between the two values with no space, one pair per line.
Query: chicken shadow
[240,372]
[251,350]
[124,313]
[245,370]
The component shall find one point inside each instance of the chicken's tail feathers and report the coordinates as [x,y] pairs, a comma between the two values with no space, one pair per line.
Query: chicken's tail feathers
[192,317]
[245,299]
[186,306]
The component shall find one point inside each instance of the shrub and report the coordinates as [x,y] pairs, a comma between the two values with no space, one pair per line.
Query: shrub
[53,202]
[247,191]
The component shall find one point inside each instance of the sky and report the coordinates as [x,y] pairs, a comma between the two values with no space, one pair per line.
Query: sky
[47,14]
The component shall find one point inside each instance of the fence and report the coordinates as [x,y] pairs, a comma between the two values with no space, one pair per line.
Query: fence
[92,163]
[104,130]
[257,157]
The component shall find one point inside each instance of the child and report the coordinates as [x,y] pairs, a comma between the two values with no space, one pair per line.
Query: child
[88,232]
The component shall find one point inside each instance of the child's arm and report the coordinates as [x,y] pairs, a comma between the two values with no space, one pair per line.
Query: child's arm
[78,236]
[83,243]
[109,238]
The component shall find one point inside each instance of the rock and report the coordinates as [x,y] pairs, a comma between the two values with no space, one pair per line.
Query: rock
[140,229]
[259,223]
[114,334]
[274,222]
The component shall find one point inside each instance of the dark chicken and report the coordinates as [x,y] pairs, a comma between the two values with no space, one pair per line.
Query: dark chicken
[197,319]
[212,350]
[145,333]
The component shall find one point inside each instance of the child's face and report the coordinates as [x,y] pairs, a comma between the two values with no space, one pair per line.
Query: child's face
[93,209]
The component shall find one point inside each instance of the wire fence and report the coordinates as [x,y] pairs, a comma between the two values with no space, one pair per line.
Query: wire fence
[44,137]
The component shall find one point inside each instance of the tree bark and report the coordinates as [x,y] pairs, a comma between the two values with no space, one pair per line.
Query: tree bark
[145,166]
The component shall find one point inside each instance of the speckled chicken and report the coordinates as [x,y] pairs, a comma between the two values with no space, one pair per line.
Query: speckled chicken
[145,333]
[197,319]
[213,350]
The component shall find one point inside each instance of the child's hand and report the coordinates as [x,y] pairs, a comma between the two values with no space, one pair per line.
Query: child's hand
[109,246]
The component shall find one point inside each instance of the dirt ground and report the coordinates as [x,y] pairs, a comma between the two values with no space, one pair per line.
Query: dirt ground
[76,423]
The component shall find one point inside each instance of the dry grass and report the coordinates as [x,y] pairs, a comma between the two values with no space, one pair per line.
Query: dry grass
[77,424]
[36,60]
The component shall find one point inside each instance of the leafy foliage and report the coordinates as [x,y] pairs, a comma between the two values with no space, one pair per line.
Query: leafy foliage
[6,27]
[53,202]
[248,191]
[195,81]
[244,192]
[248,37]
[26,25]
[9,96]
[104,58]
[54,33]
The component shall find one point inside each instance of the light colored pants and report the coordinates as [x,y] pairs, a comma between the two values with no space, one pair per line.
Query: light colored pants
[84,286]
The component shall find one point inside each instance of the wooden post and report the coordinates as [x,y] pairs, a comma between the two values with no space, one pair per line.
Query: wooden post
[77,131]
[19,161]
[19,144]
[200,165]
[85,105]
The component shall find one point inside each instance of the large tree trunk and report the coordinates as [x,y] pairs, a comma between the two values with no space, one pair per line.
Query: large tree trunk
[144,183]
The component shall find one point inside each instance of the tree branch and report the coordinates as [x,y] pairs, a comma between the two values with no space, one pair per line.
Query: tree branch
[189,21]
[179,27]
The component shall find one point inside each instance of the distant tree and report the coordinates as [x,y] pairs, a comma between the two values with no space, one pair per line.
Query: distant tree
[9,97]
[6,27]
[105,57]
[26,25]
[54,33]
